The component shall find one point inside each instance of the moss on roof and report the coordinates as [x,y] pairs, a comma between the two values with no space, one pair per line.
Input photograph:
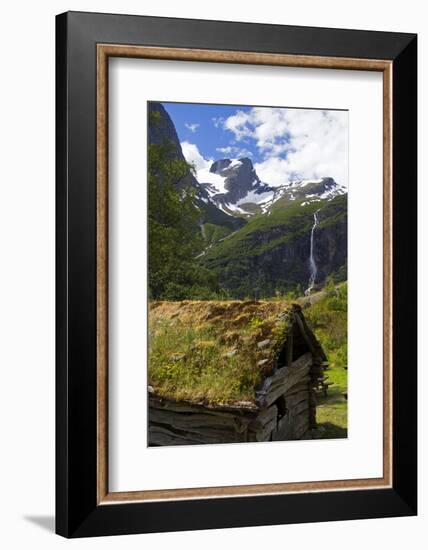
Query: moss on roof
[214,352]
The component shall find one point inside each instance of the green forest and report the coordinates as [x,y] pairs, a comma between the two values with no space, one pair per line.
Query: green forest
[175,239]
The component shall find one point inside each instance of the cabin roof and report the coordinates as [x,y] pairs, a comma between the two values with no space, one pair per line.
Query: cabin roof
[216,353]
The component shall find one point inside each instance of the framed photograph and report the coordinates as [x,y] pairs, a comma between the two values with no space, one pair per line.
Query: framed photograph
[236,274]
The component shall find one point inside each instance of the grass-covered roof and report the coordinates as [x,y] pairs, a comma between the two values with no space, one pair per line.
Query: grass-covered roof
[214,352]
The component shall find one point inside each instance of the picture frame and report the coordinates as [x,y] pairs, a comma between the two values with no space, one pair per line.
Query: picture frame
[84,44]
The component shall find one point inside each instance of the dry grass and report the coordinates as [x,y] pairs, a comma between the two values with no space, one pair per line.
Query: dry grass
[210,352]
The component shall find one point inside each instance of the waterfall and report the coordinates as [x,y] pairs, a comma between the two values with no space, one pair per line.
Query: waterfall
[312,263]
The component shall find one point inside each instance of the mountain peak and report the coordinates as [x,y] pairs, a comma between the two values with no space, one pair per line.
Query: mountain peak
[236,179]
[220,165]
[226,164]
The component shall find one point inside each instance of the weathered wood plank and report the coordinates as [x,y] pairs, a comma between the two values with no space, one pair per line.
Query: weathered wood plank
[301,426]
[284,372]
[266,433]
[161,439]
[196,420]
[294,400]
[198,436]
[295,378]
[202,432]
[301,385]
[270,393]
[184,406]
[265,417]
[291,427]
[299,408]
[281,389]
[290,345]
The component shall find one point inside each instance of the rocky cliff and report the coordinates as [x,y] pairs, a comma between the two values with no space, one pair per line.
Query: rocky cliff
[162,131]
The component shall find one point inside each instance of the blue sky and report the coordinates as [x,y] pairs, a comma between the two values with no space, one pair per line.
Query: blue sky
[210,134]
[285,144]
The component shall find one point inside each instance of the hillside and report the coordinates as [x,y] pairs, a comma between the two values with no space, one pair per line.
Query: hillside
[270,253]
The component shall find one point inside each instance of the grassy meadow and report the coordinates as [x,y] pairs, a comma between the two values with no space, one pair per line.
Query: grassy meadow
[327,317]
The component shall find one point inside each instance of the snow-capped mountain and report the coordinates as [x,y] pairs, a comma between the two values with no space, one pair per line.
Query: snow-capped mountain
[233,183]
[231,191]
[307,191]
[234,186]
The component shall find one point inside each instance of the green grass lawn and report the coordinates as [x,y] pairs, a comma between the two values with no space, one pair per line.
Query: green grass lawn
[328,319]
[332,411]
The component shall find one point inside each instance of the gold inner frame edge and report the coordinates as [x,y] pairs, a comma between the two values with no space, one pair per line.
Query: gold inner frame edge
[104,51]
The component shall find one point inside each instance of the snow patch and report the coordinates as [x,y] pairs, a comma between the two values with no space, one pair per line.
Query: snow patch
[257,198]
[303,183]
[235,208]
[331,193]
[235,162]
[215,180]
[304,203]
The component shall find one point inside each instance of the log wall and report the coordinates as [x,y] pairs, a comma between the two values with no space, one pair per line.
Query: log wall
[284,410]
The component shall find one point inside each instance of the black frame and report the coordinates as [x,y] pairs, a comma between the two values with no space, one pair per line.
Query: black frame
[77,513]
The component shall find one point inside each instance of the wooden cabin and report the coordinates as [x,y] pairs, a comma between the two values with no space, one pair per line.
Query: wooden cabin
[265,343]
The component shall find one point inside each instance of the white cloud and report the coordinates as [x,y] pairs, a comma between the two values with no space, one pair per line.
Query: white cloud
[295,143]
[225,150]
[203,175]
[239,124]
[235,151]
[191,154]
[192,127]
[218,121]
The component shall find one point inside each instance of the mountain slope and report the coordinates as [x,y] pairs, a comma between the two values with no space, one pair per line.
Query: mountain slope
[234,186]
[271,253]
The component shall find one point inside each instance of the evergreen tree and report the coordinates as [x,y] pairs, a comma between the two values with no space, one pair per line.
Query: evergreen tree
[174,235]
